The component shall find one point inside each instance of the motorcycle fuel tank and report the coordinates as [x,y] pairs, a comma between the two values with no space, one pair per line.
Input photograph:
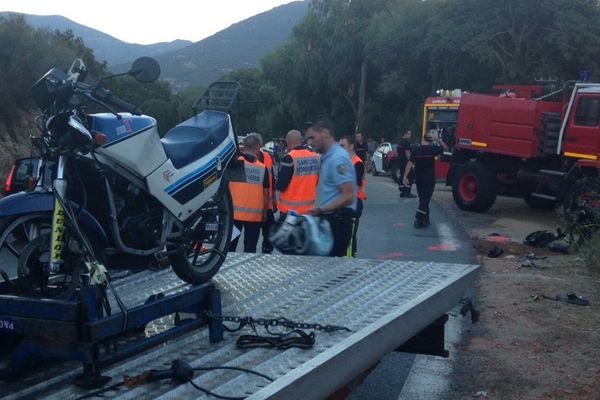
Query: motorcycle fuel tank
[132,141]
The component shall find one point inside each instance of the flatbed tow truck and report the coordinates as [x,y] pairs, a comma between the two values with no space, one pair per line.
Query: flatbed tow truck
[387,306]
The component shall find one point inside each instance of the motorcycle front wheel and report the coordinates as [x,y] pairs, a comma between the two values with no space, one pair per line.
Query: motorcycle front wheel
[203,251]
[36,279]
[16,232]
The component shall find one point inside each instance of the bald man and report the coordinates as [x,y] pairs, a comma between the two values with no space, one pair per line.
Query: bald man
[298,176]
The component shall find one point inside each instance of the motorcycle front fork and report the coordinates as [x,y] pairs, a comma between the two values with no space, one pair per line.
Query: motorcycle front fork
[58,217]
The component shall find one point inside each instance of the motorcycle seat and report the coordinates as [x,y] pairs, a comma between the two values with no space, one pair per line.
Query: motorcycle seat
[194,138]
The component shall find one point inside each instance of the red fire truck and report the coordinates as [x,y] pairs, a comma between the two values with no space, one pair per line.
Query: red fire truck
[541,146]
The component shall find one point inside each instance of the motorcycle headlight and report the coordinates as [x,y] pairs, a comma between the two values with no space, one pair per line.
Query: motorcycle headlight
[69,134]
[53,86]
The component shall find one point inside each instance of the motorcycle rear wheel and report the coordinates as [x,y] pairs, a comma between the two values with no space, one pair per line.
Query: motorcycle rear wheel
[200,257]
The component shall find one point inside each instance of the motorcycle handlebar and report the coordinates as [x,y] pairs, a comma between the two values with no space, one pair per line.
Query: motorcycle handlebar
[124,105]
[107,97]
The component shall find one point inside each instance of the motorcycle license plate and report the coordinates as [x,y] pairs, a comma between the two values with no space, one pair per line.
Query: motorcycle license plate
[211,227]
[7,325]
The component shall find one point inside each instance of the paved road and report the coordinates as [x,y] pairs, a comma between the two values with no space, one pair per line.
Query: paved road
[386,232]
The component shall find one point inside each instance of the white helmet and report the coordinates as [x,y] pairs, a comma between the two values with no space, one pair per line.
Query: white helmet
[321,238]
[302,234]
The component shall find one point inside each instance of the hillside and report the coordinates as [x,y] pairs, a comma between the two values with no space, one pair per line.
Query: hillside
[106,47]
[242,45]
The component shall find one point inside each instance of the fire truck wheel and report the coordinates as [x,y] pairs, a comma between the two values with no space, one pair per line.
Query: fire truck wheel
[475,187]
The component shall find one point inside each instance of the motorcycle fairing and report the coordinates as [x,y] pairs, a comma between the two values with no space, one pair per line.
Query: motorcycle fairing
[119,129]
[35,202]
[195,182]
[135,143]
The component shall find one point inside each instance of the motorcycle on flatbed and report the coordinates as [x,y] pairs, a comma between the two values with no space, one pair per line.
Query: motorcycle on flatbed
[120,196]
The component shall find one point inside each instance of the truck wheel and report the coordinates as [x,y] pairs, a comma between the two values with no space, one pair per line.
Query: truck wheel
[395,172]
[582,206]
[540,204]
[474,188]
[374,169]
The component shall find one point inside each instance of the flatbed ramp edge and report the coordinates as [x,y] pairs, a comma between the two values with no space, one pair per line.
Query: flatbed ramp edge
[384,303]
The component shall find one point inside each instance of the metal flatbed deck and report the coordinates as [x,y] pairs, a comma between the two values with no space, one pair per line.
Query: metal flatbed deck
[385,303]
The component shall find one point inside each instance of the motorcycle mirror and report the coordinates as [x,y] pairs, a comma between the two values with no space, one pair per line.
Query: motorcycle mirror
[145,70]
[77,71]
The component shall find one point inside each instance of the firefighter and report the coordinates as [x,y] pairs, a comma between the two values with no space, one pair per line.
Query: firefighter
[336,191]
[422,161]
[264,157]
[347,143]
[250,196]
[404,147]
[297,177]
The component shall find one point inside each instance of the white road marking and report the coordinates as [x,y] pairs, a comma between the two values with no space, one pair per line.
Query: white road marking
[448,239]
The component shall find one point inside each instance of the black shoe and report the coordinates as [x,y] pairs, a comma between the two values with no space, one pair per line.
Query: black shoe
[425,222]
[418,224]
[409,196]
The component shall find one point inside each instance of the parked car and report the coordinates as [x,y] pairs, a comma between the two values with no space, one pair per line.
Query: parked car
[380,161]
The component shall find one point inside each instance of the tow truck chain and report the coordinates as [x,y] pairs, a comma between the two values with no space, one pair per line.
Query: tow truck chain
[296,337]
[267,323]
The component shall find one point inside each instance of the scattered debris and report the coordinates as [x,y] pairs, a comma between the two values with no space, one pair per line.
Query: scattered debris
[531,298]
[530,264]
[496,238]
[532,256]
[495,252]
[570,298]
[481,393]
[559,246]
[543,238]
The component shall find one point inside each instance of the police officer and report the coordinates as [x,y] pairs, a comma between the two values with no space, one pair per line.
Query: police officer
[404,149]
[347,143]
[264,157]
[336,191]
[422,161]
[298,176]
[250,196]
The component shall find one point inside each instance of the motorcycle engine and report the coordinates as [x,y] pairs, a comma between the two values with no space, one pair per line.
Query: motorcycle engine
[141,231]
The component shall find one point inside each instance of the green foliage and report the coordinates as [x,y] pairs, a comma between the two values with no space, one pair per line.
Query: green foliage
[155,99]
[25,55]
[412,48]
[187,98]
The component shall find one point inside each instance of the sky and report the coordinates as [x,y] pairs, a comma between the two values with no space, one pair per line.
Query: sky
[145,22]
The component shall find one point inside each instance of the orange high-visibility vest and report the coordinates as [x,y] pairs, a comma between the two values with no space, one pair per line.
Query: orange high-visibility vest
[248,196]
[269,165]
[301,192]
[360,191]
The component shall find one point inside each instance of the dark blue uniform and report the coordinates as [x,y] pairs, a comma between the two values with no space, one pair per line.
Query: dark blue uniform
[423,157]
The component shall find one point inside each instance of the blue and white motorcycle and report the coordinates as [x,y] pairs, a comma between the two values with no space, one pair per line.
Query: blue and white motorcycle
[120,196]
